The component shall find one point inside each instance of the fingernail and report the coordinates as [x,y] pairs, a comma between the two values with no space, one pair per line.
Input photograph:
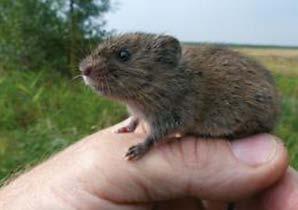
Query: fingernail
[255,150]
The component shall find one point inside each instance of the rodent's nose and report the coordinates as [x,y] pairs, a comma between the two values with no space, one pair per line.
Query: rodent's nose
[87,71]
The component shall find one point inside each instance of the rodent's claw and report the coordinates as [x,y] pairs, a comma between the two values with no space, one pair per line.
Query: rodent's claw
[135,152]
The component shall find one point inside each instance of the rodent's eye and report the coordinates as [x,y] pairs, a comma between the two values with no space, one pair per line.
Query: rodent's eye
[124,55]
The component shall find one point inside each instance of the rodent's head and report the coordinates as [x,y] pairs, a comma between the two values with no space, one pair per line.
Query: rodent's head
[122,66]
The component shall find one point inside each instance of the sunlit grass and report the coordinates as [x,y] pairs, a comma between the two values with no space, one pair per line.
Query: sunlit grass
[280,61]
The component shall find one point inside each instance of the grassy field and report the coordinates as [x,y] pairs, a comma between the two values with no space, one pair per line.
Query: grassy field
[42,113]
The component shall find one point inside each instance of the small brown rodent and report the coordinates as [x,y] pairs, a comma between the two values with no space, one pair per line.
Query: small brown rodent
[207,91]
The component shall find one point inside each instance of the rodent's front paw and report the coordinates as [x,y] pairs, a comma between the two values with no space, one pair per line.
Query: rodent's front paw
[136,152]
[125,129]
[130,127]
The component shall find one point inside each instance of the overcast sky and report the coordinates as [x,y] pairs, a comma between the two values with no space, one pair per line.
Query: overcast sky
[233,21]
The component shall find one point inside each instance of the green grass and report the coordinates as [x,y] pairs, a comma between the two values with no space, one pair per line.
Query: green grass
[41,113]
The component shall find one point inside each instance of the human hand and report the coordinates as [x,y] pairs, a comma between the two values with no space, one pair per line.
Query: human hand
[92,174]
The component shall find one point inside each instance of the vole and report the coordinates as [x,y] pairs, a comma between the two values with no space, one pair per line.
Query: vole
[208,91]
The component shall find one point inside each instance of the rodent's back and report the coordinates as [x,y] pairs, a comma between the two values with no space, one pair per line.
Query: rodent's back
[239,94]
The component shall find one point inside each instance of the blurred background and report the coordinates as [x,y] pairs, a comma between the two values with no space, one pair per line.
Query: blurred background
[43,109]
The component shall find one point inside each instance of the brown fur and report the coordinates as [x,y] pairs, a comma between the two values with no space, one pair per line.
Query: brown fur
[207,91]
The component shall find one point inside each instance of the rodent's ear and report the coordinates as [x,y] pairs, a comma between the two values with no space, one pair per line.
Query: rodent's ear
[167,49]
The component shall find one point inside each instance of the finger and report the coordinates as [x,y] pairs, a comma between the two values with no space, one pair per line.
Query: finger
[282,195]
[207,169]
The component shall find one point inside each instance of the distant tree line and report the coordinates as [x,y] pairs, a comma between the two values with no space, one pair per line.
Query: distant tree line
[52,34]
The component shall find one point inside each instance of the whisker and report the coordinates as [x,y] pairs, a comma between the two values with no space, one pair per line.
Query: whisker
[77,77]
[106,85]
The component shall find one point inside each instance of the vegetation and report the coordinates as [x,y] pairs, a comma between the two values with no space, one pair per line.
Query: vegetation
[43,112]
[48,33]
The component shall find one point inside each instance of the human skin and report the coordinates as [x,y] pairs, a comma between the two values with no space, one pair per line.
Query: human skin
[188,173]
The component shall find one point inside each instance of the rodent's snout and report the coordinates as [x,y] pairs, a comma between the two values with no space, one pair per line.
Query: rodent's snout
[87,71]
[94,73]
[91,67]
